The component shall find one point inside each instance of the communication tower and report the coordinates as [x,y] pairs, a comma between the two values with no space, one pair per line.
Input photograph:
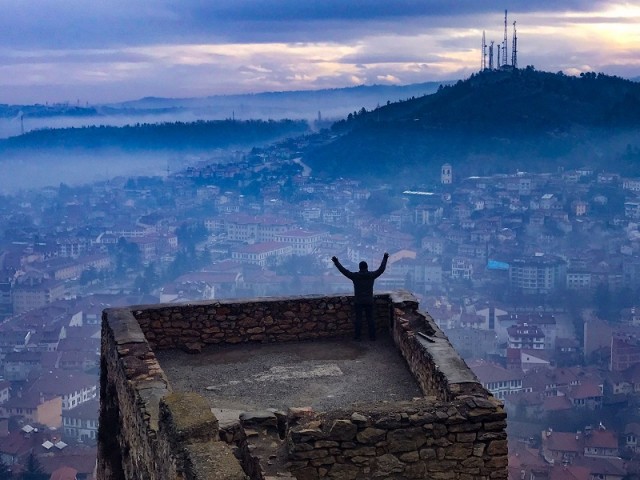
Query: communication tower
[483,60]
[505,52]
[491,56]
[514,47]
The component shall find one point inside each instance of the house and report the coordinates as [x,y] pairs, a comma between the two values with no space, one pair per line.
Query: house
[603,468]
[632,437]
[533,359]
[559,403]
[262,254]
[64,473]
[499,381]
[625,351]
[81,423]
[560,447]
[31,292]
[18,366]
[303,242]
[586,395]
[5,388]
[73,387]
[34,407]
[527,404]
[525,336]
[600,442]
[15,447]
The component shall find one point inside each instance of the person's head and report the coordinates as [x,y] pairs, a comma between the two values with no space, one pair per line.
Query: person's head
[363,266]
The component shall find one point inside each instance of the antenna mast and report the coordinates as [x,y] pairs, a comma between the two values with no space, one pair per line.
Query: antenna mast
[504,42]
[491,56]
[483,61]
[514,48]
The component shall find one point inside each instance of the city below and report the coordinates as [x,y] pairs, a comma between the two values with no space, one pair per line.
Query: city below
[532,276]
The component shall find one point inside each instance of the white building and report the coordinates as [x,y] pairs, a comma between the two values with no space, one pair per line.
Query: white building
[446,174]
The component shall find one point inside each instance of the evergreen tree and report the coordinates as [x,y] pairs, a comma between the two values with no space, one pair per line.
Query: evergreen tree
[5,471]
[33,470]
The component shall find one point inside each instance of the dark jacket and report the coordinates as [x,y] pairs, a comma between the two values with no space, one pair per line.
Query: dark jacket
[362,281]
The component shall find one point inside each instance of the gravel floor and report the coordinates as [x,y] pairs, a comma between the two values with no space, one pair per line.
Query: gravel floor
[321,374]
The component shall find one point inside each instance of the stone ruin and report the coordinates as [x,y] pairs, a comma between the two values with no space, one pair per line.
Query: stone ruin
[148,430]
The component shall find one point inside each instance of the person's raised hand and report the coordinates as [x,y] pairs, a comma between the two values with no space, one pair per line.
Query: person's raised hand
[334,259]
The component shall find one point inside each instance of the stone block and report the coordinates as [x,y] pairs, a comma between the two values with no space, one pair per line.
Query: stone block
[409,457]
[343,471]
[427,454]
[465,437]
[459,451]
[386,465]
[415,470]
[406,439]
[343,430]
[497,447]
[188,416]
[205,460]
[371,435]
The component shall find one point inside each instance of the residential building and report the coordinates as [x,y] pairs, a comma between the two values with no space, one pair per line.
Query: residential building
[537,274]
[499,381]
[81,423]
[525,336]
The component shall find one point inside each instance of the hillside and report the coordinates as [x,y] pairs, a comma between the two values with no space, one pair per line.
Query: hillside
[175,136]
[495,121]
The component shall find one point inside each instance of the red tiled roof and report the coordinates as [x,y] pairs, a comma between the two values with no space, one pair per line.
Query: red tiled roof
[18,444]
[602,466]
[64,473]
[632,427]
[569,472]
[83,461]
[84,411]
[586,390]
[557,403]
[60,382]
[489,372]
[601,439]
[563,442]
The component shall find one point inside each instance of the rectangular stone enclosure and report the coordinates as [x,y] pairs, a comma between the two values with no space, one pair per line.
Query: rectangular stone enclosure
[149,429]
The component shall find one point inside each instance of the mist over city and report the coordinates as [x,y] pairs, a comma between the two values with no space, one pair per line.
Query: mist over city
[483,160]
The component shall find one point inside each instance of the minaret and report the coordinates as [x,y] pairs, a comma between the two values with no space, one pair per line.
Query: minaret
[446,174]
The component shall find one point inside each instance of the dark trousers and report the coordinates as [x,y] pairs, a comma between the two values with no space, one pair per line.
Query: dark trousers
[367,310]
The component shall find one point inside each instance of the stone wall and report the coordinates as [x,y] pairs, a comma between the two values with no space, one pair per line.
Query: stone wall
[273,320]
[147,431]
[463,439]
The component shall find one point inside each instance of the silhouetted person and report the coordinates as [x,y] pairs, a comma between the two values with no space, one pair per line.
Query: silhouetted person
[363,293]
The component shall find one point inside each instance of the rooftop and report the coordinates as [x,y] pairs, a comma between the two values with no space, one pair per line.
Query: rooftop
[322,374]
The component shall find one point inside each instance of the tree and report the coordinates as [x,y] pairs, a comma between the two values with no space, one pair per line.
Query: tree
[127,256]
[33,470]
[5,471]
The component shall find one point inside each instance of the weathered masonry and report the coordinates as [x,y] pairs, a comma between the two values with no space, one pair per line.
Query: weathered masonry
[149,430]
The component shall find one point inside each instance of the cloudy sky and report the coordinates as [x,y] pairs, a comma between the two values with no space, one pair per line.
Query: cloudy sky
[102,51]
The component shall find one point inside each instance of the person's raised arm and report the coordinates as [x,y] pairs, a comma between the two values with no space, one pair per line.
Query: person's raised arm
[383,265]
[339,266]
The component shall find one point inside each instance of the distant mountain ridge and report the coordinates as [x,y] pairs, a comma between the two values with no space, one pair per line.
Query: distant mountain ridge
[171,136]
[329,96]
[494,121]
[329,104]
[265,101]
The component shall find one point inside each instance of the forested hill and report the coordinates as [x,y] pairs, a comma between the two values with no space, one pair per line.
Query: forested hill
[495,121]
[164,136]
